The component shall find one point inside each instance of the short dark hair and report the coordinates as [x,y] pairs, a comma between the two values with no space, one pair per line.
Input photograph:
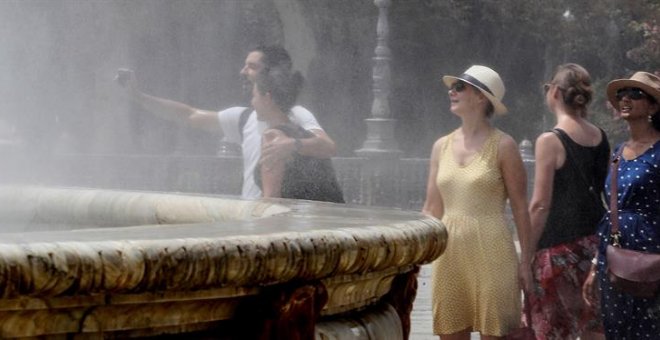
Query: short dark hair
[282,84]
[275,56]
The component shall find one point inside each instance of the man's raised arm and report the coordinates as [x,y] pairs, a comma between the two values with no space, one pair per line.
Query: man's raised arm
[166,108]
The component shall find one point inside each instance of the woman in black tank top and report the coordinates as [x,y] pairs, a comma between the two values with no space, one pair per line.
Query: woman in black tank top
[570,170]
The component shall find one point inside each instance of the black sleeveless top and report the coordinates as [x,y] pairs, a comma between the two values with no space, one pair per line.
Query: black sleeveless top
[575,211]
[306,177]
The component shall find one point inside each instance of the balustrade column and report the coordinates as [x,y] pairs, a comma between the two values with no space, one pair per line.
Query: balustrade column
[527,154]
[380,126]
[380,149]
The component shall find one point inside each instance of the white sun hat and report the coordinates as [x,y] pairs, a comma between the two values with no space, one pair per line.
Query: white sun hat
[485,80]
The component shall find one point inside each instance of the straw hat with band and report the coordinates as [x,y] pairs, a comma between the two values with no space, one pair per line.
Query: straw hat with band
[647,82]
[485,80]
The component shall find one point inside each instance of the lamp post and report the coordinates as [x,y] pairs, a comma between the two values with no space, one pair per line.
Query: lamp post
[380,140]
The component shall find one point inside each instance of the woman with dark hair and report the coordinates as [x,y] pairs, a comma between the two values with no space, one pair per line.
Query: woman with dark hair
[637,184]
[570,169]
[301,177]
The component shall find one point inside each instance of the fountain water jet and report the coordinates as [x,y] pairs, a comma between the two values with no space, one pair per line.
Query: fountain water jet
[132,264]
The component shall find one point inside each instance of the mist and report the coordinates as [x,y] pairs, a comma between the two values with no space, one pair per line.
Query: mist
[59,59]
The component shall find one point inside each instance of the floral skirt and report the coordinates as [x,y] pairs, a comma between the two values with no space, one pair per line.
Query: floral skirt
[557,308]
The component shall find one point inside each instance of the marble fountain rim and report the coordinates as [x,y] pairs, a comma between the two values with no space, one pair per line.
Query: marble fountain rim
[227,253]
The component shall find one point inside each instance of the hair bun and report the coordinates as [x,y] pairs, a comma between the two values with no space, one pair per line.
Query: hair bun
[580,100]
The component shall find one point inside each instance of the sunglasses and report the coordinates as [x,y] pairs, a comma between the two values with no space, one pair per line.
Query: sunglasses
[546,87]
[458,86]
[633,93]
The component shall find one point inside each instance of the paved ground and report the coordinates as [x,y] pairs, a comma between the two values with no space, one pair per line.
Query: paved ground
[421,314]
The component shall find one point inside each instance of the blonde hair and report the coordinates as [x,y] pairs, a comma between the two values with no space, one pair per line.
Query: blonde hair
[575,84]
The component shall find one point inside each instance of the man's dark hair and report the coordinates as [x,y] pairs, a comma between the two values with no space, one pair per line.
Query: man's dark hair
[274,56]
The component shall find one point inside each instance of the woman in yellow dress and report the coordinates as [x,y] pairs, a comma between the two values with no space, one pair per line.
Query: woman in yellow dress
[473,171]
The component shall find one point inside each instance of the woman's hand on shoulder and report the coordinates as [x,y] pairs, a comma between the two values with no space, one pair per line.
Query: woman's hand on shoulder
[269,160]
[269,135]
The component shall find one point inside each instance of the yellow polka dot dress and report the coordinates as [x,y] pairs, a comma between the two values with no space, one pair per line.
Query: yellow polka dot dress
[475,281]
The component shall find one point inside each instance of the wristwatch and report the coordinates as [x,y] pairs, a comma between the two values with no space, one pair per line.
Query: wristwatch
[297,144]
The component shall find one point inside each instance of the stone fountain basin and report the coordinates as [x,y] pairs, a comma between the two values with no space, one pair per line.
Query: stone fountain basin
[86,261]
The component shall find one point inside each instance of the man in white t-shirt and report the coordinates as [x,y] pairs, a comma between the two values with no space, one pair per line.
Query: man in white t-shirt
[226,122]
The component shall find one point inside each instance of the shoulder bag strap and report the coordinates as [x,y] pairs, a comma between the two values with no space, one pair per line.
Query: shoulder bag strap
[614,209]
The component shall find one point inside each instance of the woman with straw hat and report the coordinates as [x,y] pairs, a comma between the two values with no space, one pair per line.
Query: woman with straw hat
[638,206]
[473,171]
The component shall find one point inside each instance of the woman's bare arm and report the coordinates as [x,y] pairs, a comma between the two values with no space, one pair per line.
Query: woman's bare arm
[433,203]
[272,174]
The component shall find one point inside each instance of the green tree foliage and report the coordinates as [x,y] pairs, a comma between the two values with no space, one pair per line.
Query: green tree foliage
[524,40]
[646,24]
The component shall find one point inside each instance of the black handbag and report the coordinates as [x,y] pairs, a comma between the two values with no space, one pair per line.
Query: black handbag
[634,272]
